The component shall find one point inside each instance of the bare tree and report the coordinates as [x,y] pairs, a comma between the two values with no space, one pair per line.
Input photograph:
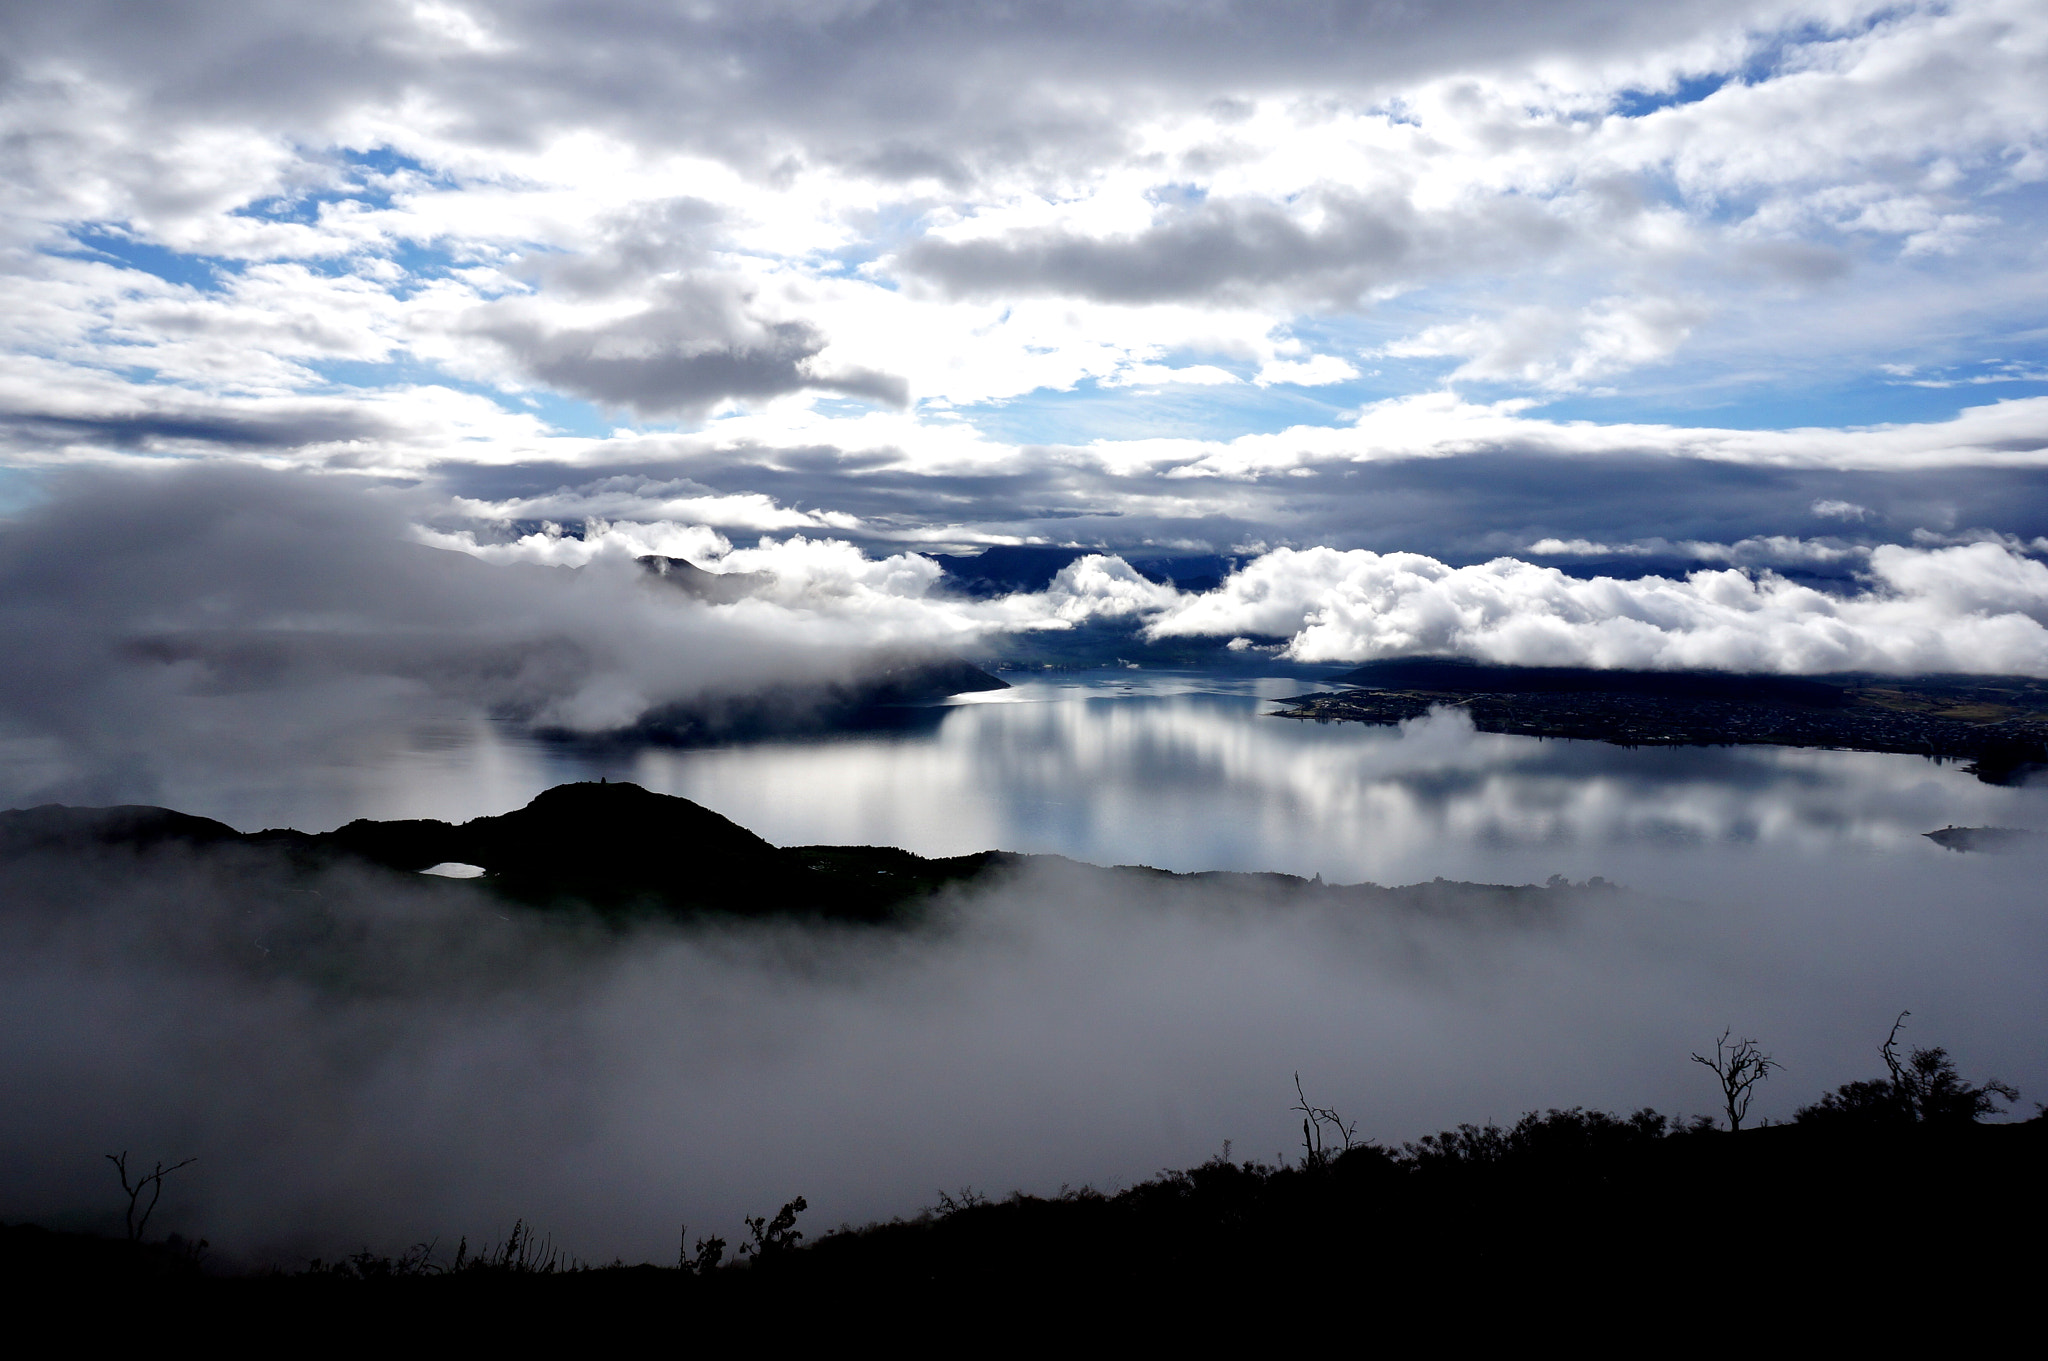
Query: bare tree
[1890,1052]
[1316,1149]
[1740,1067]
[152,1182]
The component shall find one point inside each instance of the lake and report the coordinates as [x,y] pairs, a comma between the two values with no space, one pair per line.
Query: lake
[1187,771]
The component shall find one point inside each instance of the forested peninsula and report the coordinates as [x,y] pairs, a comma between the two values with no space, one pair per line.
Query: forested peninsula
[1998,725]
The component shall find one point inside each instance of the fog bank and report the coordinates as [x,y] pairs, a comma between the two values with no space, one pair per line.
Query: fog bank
[397,1060]
[220,618]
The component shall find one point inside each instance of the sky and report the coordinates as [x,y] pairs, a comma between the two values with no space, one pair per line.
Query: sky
[1599,330]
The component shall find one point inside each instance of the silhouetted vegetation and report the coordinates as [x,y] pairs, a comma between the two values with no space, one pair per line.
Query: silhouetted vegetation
[1324,1133]
[777,1236]
[1921,1088]
[1528,1218]
[151,1181]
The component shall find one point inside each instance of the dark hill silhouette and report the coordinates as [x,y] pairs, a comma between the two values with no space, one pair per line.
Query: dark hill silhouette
[612,846]
[615,845]
[1999,724]
[56,826]
[1456,675]
[622,849]
[619,847]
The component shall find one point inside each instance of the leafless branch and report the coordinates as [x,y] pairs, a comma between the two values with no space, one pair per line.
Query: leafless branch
[1316,1149]
[1890,1050]
[1739,1067]
[153,1182]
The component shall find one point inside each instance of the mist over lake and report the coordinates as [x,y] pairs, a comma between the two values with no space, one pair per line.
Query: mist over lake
[1037,1031]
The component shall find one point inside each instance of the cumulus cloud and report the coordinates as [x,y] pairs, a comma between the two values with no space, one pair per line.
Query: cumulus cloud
[1772,550]
[1444,425]
[693,345]
[1586,548]
[671,499]
[1980,608]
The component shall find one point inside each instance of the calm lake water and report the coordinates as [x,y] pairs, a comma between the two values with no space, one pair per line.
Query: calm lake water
[1191,772]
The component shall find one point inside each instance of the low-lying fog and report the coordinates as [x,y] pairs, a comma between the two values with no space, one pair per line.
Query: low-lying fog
[396,1062]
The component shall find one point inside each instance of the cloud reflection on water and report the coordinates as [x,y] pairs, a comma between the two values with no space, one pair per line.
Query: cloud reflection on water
[1191,773]
[1198,781]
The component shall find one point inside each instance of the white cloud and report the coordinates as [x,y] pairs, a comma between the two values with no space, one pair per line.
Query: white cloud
[672,500]
[1587,548]
[1979,608]
[1442,425]
[1544,348]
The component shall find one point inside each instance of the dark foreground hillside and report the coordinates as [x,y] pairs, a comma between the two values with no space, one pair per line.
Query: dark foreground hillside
[1568,1229]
